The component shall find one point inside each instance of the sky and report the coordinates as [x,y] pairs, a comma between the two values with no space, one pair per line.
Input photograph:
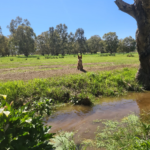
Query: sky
[96,17]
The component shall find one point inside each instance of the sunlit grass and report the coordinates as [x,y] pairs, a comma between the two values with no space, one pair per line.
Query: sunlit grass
[20,61]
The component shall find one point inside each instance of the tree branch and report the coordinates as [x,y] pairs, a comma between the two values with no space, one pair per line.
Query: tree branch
[125,7]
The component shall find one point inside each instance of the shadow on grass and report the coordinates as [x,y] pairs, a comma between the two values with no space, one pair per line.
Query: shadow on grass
[83,71]
[27,57]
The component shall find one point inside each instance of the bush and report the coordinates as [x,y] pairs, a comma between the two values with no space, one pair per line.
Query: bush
[11,59]
[104,54]
[38,57]
[130,55]
[22,129]
[112,54]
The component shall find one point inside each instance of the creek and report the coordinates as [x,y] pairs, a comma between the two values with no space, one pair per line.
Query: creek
[82,118]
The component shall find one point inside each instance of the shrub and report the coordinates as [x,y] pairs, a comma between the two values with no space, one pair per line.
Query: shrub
[112,54]
[130,55]
[12,59]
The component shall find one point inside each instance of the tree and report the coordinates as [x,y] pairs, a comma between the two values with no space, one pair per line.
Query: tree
[11,45]
[71,43]
[4,48]
[102,46]
[23,35]
[120,47]
[81,40]
[94,43]
[126,45]
[140,12]
[55,41]
[129,44]
[40,44]
[111,42]
[46,45]
[62,31]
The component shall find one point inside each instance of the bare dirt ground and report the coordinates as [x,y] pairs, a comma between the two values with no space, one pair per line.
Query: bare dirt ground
[30,72]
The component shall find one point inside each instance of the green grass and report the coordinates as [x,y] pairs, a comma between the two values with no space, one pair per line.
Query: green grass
[72,87]
[20,61]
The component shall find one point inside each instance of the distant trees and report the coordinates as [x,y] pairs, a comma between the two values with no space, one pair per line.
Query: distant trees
[80,40]
[94,44]
[4,49]
[62,31]
[111,42]
[71,43]
[23,35]
[54,41]
[126,45]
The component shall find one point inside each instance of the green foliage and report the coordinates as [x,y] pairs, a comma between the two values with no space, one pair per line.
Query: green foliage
[22,129]
[64,141]
[72,87]
[129,134]
[111,42]
[94,43]
[41,107]
[11,59]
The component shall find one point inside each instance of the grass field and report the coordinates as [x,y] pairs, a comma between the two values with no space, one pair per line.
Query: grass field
[22,68]
[23,80]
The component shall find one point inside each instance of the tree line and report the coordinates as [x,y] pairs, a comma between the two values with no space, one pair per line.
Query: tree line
[55,41]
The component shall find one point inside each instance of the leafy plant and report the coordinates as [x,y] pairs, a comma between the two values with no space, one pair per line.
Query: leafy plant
[64,141]
[22,130]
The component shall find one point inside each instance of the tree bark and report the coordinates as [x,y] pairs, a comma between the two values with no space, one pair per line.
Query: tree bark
[140,11]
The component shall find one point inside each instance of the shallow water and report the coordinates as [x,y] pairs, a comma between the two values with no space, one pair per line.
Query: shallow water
[80,118]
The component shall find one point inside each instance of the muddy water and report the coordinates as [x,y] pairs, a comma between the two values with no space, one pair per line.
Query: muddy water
[80,118]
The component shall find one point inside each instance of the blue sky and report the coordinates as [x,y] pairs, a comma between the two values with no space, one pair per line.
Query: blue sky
[96,17]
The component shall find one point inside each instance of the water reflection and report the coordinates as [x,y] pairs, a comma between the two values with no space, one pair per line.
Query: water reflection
[72,118]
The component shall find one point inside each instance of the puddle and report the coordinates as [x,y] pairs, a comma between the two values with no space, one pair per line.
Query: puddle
[80,118]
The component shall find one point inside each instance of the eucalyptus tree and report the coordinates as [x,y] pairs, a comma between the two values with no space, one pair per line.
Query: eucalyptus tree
[94,43]
[102,46]
[4,48]
[11,45]
[120,48]
[129,44]
[55,41]
[81,40]
[111,42]
[23,35]
[140,11]
[40,44]
[71,43]
[62,31]
[46,41]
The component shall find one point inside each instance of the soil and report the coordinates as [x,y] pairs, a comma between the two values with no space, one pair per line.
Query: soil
[31,73]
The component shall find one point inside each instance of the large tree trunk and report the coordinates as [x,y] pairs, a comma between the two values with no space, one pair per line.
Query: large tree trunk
[140,11]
